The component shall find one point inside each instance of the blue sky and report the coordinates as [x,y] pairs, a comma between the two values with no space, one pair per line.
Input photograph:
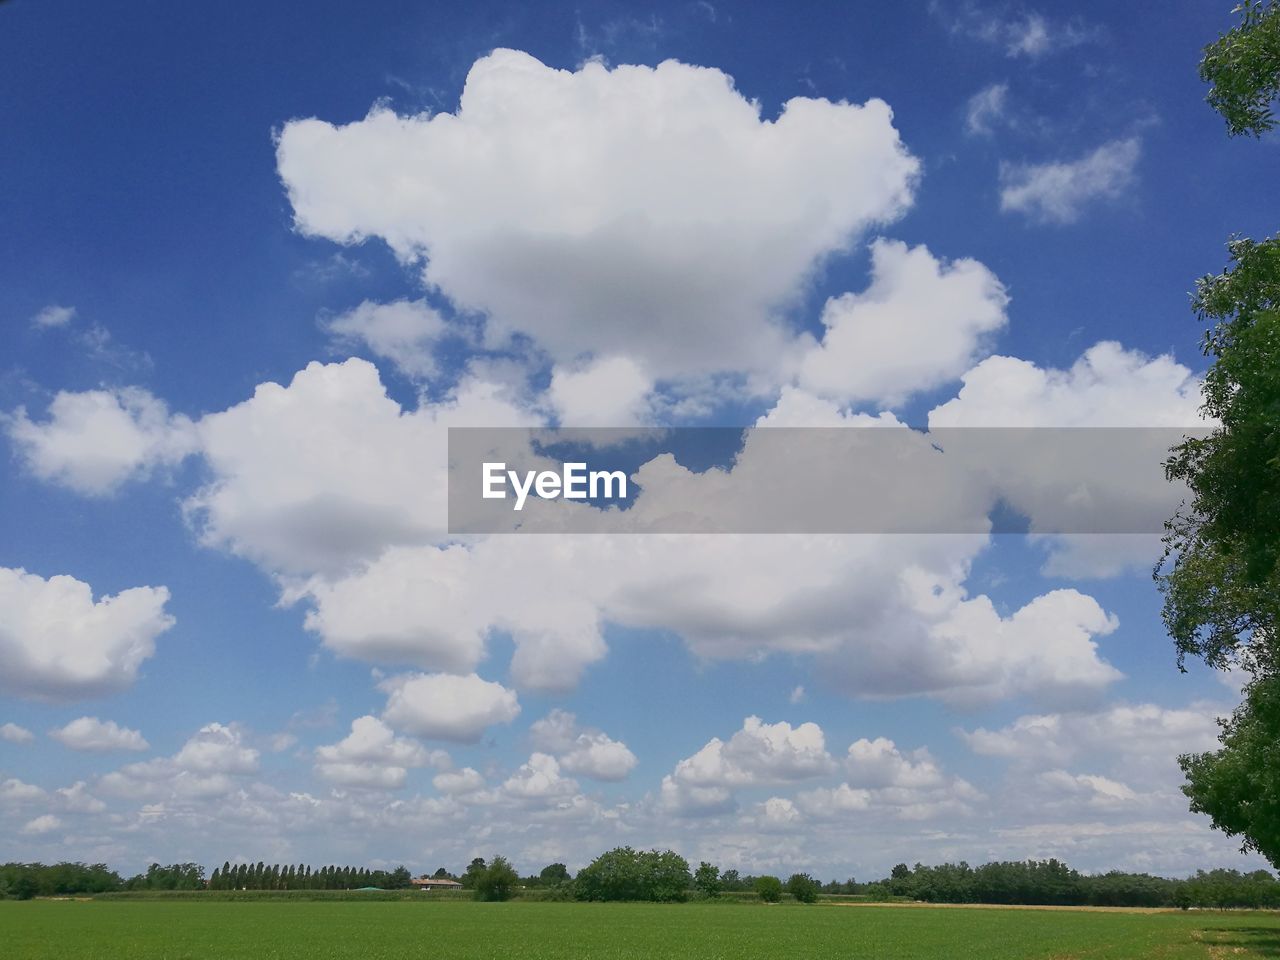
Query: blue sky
[201,206]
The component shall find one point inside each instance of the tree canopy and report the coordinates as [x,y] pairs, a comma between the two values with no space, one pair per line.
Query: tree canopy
[1243,68]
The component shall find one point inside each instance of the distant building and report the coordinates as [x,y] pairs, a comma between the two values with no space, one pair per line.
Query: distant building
[431,883]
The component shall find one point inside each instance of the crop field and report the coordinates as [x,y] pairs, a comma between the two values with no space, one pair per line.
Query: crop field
[143,930]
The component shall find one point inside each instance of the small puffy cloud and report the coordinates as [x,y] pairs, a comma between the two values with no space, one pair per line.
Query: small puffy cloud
[797,695]
[53,316]
[93,442]
[94,735]
[58,643]
[405,332]
[47,823]
[918,325]
[217,748]
[597,756]
[582,752]
[758,753]
[443,706]
[986,109]
[12,733]
[464,781]
[686,799]
[829,802]
[1058,192]
[77,799]
[371,756]
[539,779]
[878,763]
[14,791]
[645,212]
[607,392]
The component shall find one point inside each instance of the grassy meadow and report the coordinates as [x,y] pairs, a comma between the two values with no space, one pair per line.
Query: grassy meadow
[310,930]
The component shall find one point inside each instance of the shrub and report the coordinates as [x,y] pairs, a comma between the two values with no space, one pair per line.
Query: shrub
[707,879]
[803,887]
[627,874]
[497,881]
[769,889]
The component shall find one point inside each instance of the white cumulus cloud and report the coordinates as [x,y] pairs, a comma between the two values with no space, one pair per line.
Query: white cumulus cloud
[404,331]
[371,755]
[92,734]
[570,206]
[93,442]
[12,733]
[58,643]
[443,706]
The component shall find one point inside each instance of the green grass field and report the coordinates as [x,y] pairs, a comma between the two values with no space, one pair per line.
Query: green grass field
[151,930]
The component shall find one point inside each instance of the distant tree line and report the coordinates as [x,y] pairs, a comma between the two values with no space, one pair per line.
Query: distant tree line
[1053,883]
[260,876]
[664,876]
[22,881]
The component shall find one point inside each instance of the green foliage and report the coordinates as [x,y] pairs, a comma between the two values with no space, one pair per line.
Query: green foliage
[1243,68]
[497,882]
[475,870]
[22,881]
[768,889]
[706,879]
[554,873]
[627,874]
[177,876]
[1239,785]
[1221,573]
[1053,883]
[803,887]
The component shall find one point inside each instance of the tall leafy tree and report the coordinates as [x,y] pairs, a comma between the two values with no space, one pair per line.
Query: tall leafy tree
[1220,575]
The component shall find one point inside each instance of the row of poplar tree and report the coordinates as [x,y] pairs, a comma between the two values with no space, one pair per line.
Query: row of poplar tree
[260,876]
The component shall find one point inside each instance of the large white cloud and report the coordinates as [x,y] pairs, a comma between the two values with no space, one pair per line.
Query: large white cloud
[58,643]
[92,734]
[329,470]
[917,326]
[648,212]
[446,707]
[97,440]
